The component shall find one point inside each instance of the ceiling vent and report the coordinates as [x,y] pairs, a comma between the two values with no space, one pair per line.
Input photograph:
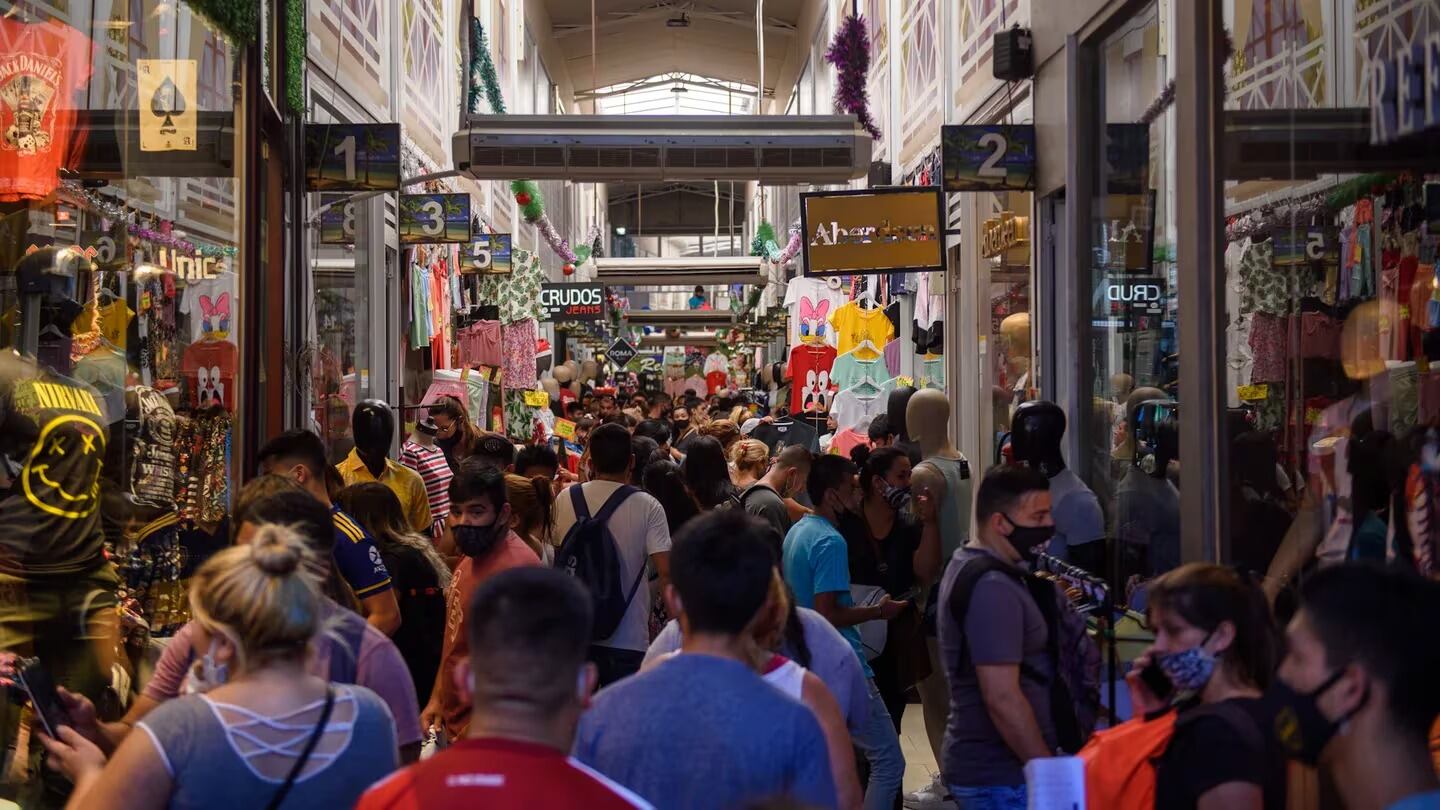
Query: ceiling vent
[680,317]
[772,149]
[649,272]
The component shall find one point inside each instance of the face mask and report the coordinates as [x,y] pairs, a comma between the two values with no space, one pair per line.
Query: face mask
[896,496]
[1025,538]
[681,426]
[476,541]
[1302,729]
[206,674]
[1188,669]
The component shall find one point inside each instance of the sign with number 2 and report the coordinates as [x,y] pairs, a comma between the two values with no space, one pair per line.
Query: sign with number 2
[990,157]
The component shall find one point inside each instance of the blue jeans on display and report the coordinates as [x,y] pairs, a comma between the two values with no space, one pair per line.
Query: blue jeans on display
[882,749]
[989,797]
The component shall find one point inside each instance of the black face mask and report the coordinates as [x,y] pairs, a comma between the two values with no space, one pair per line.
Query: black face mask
[1024,539]
[681,426]
[477,541]
[1301,728]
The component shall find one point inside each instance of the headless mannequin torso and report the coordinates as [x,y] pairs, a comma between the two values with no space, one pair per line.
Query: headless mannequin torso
[943,473]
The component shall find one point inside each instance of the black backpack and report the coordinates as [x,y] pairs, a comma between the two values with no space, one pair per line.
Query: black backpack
[589,553]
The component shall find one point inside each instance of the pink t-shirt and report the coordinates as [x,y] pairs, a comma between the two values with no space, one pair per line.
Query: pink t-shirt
[379,669]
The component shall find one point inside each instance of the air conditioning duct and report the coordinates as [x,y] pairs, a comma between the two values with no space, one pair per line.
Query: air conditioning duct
[650,272]
[655,342]
[773,149]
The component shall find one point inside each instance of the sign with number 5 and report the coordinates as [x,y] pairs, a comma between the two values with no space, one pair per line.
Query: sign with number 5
[989,157]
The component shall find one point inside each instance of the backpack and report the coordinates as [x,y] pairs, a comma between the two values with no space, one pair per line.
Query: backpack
[1120,762]
[1075,693]
[589,553]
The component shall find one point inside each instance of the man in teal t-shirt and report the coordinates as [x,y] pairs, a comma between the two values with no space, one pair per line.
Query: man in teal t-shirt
[817,568]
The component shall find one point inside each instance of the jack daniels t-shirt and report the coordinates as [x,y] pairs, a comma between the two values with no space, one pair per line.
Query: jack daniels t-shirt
[54,429]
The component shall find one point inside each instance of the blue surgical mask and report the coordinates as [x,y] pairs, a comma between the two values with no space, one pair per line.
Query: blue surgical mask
[1189,669]
[207,673]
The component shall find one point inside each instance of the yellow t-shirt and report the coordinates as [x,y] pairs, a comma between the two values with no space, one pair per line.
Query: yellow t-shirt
[854,325]
[403,481]
[112,320]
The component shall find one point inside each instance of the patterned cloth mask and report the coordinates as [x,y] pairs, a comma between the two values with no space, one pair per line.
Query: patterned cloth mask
[1189,669]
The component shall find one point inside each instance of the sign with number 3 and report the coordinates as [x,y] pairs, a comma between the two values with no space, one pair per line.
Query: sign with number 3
[990,157]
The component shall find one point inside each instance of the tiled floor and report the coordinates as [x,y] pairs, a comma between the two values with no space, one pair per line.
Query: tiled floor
[919,761]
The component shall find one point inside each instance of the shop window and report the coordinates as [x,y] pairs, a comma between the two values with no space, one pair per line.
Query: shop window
[121,376]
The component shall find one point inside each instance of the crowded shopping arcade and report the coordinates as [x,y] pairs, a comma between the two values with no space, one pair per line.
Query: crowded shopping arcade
[720,404]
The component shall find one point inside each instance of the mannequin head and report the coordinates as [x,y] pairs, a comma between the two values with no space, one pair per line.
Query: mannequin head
[374,428]
[1139,395]
[1016,331]
[927,418]
[563,374]
[425,432]
[1154,428]
[1360,342]
[1035,434]
[588,370]
[552,387]
[897,411]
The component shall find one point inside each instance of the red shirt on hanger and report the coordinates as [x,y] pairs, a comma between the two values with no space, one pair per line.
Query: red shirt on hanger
[43,68]
[810,388]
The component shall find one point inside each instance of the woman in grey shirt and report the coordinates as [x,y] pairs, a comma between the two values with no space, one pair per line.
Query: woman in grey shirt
[257,731]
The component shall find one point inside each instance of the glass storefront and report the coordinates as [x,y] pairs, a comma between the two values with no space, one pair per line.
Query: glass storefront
[1005,310]
[121,320]
[1131,285]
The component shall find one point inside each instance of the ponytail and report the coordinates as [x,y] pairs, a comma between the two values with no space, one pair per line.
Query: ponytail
[545,497]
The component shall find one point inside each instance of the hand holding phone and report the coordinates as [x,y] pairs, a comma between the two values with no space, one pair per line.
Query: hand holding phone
[30,674]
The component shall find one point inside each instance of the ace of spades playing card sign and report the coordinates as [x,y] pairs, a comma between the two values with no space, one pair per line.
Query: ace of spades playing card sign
[168,118]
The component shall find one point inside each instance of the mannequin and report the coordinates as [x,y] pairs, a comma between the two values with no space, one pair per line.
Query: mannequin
[944,477]
[373,425]
[1015,332]
[896,411]
[1036,432]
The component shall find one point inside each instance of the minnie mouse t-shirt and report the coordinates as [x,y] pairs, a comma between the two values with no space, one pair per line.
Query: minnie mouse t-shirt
[209,369]
[811,387]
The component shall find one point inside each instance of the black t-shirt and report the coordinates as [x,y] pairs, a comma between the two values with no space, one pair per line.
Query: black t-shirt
[55,427]
[888,562]
[1211,748]
[781,434]
[422,615]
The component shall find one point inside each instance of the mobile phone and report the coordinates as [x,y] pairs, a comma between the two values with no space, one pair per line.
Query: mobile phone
[37,683]
[1157,681]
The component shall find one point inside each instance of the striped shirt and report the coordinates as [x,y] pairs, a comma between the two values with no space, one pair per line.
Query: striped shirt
[435,471]
[357,558]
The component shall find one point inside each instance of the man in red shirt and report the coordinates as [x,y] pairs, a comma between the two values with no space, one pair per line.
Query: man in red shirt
[527,678]
[480,523]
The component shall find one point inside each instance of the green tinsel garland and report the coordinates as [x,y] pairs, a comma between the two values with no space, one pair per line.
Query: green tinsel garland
[295,56]
[482,67]
[237,19]
[534,208]
[764,232]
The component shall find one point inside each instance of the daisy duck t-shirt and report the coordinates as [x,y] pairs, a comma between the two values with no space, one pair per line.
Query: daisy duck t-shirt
[811,302]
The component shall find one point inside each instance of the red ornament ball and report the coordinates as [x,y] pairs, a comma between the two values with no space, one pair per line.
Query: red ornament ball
[523,198]
[568,269]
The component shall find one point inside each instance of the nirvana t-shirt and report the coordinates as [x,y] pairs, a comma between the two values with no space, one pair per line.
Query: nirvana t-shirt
[209,369]
[55,428]
[43,66]
[811,386]
[779,435]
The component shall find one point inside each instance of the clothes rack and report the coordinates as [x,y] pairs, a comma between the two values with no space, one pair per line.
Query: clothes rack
[1102,597]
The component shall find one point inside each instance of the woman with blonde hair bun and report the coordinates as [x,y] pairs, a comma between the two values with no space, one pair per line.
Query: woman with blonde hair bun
[257,730]
[751,458]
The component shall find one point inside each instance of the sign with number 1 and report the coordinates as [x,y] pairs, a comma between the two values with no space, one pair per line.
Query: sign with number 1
[352,157]
[431,218]
[990,157]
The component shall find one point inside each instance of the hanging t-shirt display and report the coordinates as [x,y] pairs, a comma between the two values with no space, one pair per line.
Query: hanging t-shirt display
[43,66]
[850,370]
[715,381]
[854,407]
[50,521]
[811,302]
[931,374]
[152,450]
[783,433]
[864,331]
[716,361]
[811,386]
[209,369]
[209,304]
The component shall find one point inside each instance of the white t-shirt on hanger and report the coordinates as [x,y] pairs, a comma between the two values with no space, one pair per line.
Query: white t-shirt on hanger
[811,301]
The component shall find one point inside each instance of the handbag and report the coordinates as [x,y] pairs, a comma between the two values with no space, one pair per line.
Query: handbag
[873,633]
[279,797]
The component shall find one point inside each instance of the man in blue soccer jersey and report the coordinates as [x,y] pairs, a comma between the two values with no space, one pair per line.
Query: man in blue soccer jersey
[300,456]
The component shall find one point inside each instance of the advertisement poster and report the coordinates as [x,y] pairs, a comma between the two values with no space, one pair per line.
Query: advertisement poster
[872,231]
[352,157]
[989,157]
[434,218]
[166,93]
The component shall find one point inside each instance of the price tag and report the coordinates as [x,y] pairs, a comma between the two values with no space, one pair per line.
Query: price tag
[564,428]
[904,382]
[537,399]
[464,374]
[1253,393]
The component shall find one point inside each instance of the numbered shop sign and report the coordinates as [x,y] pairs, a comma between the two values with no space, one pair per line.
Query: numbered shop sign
[167,101]
[622,352]
[489,254]
[352,157]
[990,157]
[580,301]
[337,223]
[433,218]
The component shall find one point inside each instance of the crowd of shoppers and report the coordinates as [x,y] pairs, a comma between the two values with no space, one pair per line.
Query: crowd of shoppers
[680,618]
